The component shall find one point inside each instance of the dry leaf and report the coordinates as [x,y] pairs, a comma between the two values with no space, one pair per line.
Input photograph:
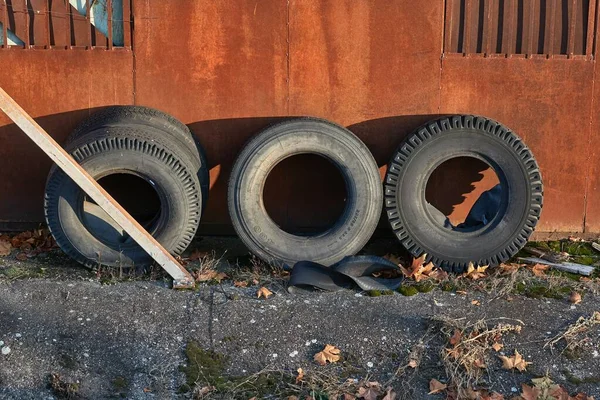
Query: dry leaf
[475,273]
[264,292]
[210,275]
[575,298]
[436,386]
[348,396]
[5,248]
[413,363]
[300,375]
[370,391]
[539,269]
[509,268]
[455,339]
[329,353]
[390,394]
[418,271]
[292,398]
[476,302]
[497,346]
[515,362]
[480,363]
[240,283]
[461,292]
[22,257]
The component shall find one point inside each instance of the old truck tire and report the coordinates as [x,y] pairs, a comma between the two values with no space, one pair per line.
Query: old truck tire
[87,234]
[150,117]
[301,136]
[411,217]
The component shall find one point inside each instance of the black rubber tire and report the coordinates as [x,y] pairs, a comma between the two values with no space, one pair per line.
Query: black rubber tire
[301,136]
[118,149]
[457,136]
[150,117]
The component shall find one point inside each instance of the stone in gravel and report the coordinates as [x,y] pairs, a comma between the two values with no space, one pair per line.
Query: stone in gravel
[5,350]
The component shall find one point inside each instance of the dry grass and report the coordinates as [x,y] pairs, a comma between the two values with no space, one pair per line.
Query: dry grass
[576,335]
[466,357]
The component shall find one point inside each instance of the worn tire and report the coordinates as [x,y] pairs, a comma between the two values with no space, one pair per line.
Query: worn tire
[437,141]
[117,149]
[300,136]
[149,117]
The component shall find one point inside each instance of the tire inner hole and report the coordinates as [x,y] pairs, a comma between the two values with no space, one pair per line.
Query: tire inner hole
[136,195]
[305,195]
[463,194]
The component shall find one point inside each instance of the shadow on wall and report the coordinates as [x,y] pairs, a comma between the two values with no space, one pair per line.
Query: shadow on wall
[303,193]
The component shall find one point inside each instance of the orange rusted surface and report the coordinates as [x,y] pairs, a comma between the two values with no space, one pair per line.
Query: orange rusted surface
[58,88]
[230,68]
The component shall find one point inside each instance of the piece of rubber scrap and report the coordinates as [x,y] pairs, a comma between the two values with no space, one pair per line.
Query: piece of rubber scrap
[346,274]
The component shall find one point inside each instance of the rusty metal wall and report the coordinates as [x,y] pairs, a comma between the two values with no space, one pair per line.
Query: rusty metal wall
[379,67]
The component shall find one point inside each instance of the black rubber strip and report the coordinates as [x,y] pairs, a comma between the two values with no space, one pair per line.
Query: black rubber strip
[346,274]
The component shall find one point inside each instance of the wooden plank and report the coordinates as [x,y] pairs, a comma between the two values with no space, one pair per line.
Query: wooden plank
[572,26]
[564,266]
[64,161]
[589,41]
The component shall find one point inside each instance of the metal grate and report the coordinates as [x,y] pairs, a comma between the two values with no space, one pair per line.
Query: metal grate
[530,28]
[65,24]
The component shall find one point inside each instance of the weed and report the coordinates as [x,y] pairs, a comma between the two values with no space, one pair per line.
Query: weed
[63,390]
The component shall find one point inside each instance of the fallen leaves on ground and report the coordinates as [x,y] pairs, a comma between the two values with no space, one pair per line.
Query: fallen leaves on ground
[390,394]
[264,292]
[509,268]
[240,284]
[419,271]
[328,354]
[545,389]
[515,362]
[370,391]
[497,346]
[300,375]
[5,247]
[575,298]
[475,273]
[30,243]
[539,269]
[476,302]
[436,386]
[210,275]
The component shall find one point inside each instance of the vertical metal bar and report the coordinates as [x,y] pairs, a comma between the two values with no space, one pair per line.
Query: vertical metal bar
[572,25]
[68,43]
[449,20]
[47,22]
[109,23]
[589,41]
[88,20]
[127,23]
[467,28]
[5,23]
[489,31]
[531,32]
[550,30]
[509,39]
[27,23]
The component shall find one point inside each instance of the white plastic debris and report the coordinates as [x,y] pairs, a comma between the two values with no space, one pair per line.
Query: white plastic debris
[5,350]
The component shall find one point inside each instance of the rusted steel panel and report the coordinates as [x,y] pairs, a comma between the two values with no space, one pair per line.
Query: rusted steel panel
[74,83]
[219,66]
[530,97]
